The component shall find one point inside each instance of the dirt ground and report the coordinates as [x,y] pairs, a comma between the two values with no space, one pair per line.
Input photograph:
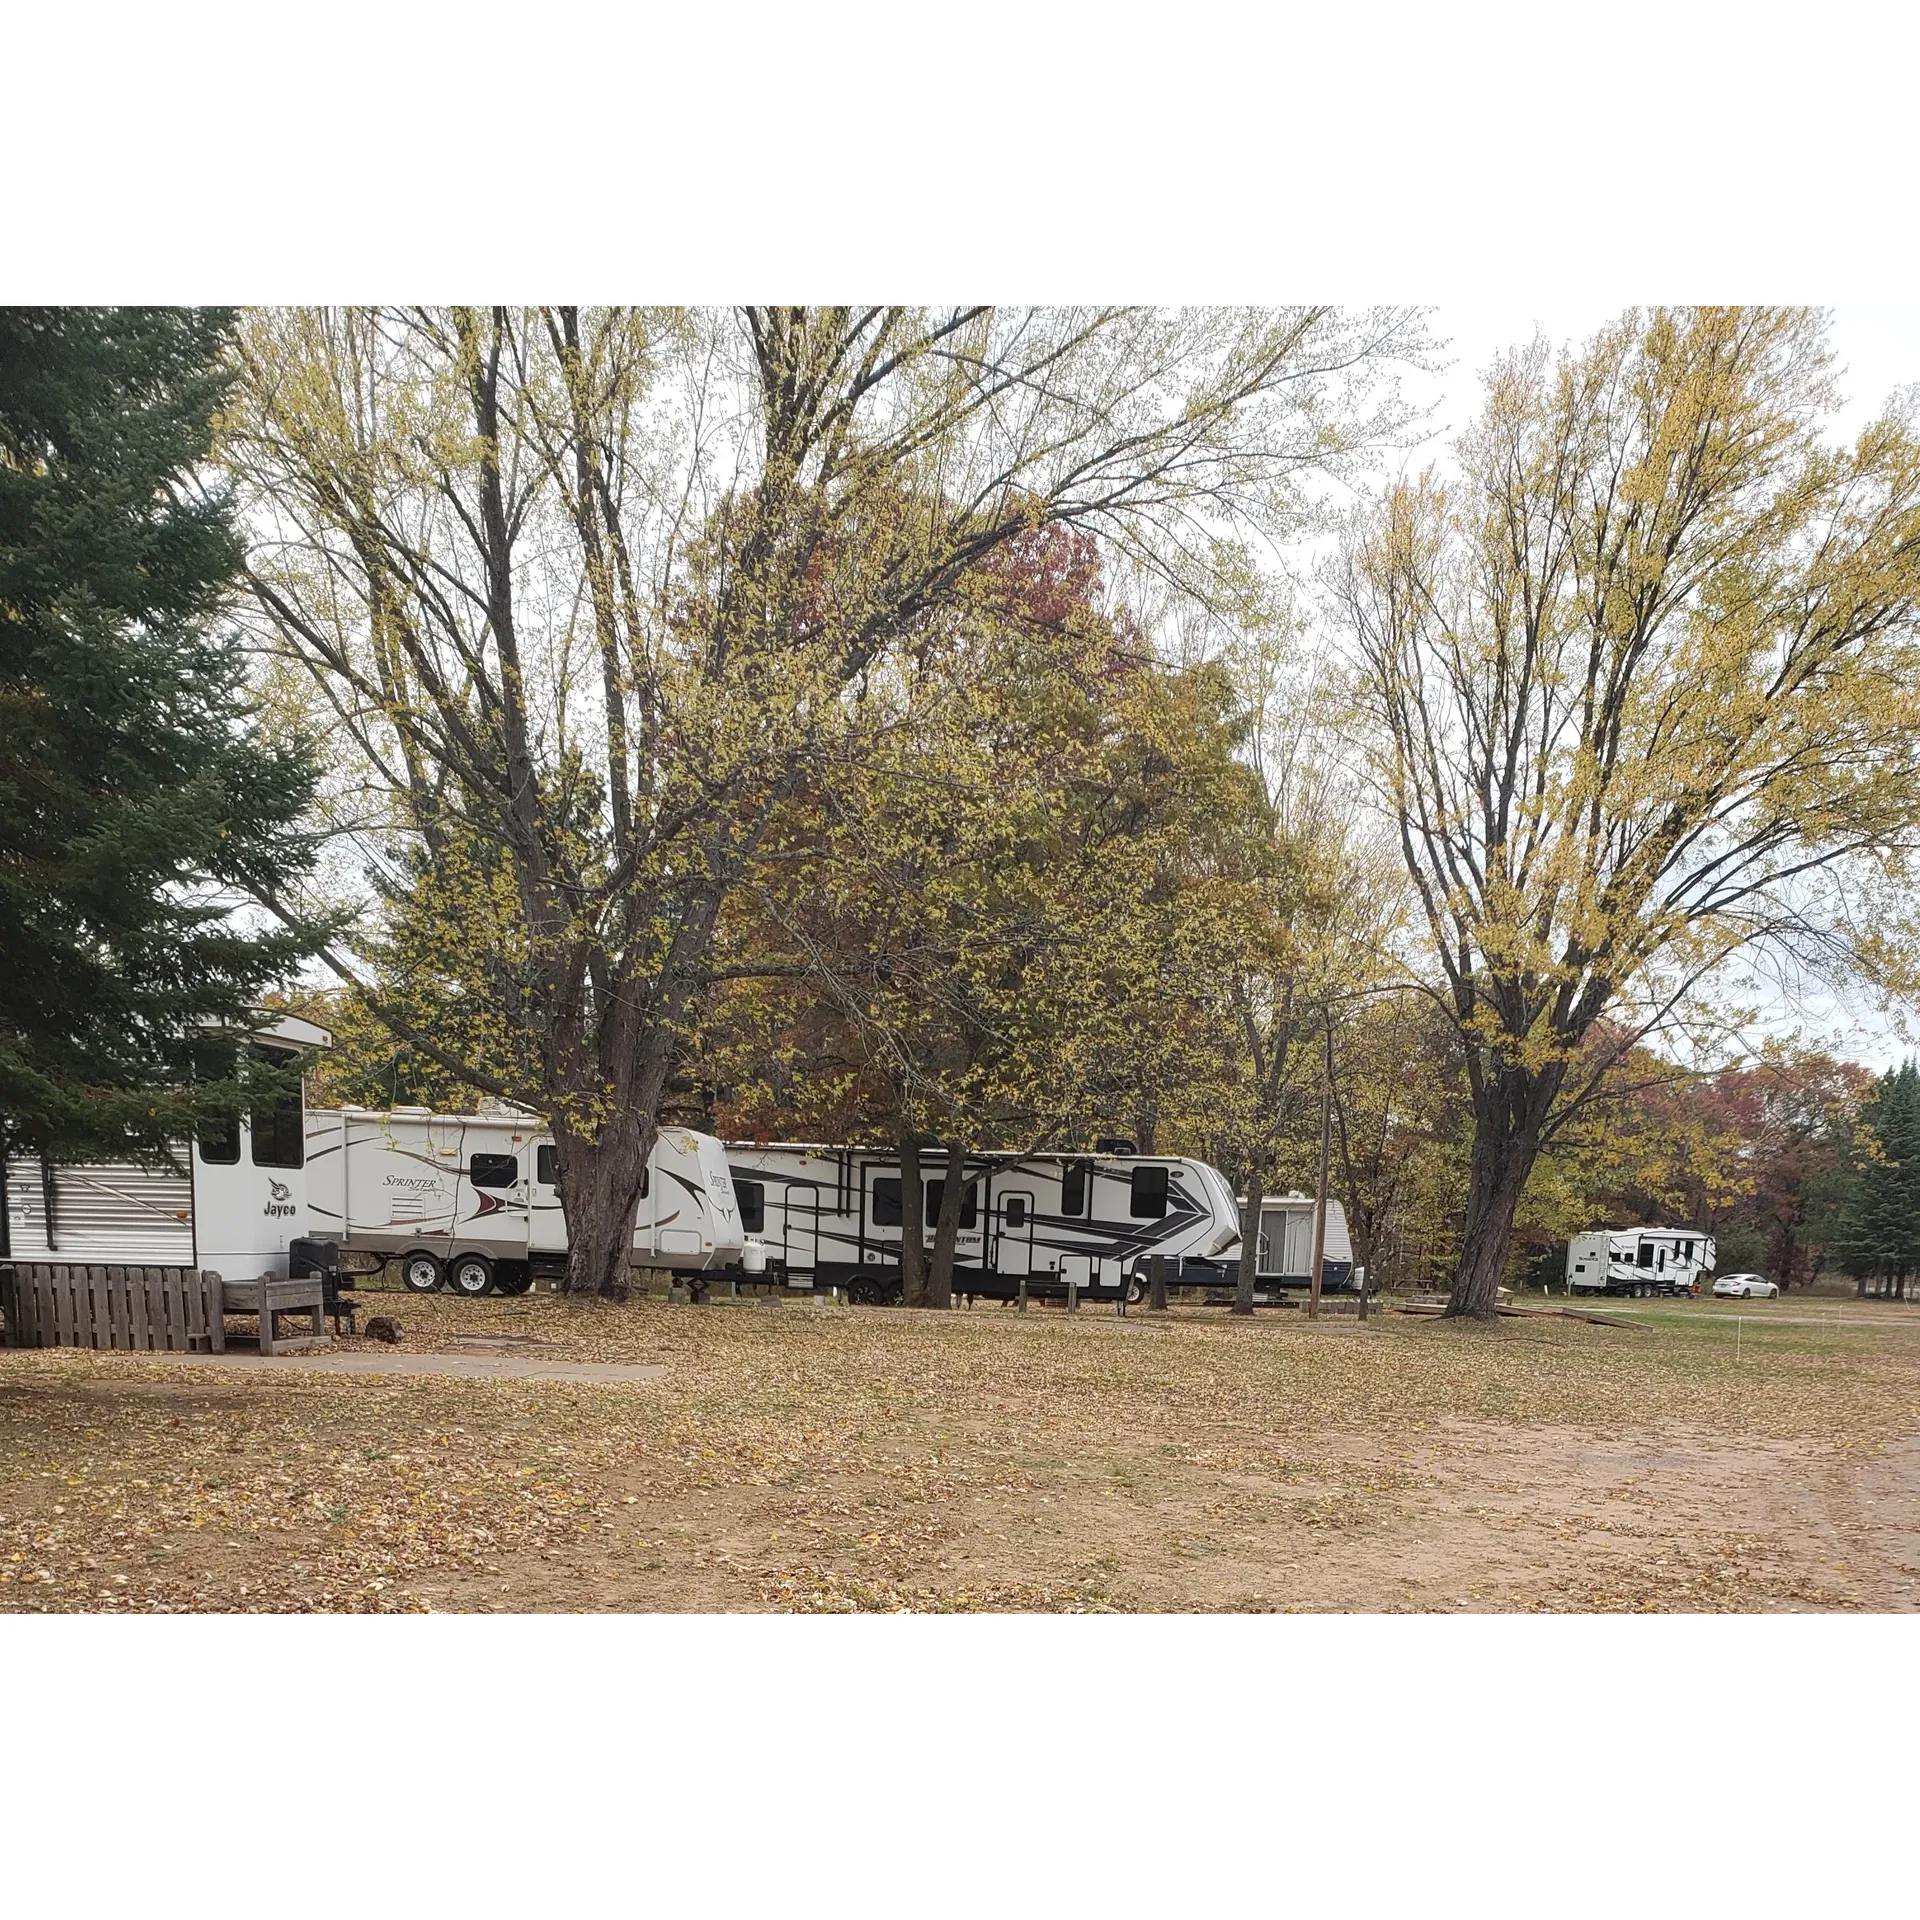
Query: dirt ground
[808,1457]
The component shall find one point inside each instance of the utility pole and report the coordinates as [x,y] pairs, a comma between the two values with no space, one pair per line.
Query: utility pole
[1320,1189]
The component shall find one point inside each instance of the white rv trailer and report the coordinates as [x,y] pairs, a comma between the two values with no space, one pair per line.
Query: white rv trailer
[1286,1245]
[230,1204]
[473,1200]
[830,1216]
[1284,1263]
[1639,1260]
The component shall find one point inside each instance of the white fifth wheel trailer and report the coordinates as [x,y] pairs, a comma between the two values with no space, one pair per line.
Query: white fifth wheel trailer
[231,1203]
[472,1200]
[830,1216]
[1639,1260]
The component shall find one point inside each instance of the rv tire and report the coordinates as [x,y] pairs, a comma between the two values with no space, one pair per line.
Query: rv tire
[420,1273]
[513,1277]
[471,1276]
[1136,1286]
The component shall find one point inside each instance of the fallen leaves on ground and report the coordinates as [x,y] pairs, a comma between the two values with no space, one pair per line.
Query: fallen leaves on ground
[818,1458]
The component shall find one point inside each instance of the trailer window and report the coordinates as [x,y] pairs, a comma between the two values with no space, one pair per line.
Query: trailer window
[494,1169]
[750,1196]
[219,1137]
[1073,1190]
[1646,1253]
[1015,1211]
[546,1165]
[969,1203]
[279,1124]
[1148,1200]
[886,1203]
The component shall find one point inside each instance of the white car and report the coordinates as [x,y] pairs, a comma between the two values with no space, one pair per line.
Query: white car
[1745,1286]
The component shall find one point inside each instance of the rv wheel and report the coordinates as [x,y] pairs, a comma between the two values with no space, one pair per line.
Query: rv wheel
[420,1272]
[863,1293]
[470,1276]
[512,1277]
[1136,1288]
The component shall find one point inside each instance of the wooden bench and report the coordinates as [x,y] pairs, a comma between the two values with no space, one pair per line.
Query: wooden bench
[270,1298]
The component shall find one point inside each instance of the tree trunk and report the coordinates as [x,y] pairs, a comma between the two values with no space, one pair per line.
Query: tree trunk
[1249,1244]
[599,1180]
[1508,1111]
[913,1242]
[946,1229]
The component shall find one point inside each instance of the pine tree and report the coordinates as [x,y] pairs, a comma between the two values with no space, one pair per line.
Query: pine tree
[139,802]
[1878,1236]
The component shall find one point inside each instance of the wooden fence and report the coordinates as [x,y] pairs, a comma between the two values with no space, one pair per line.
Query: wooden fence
[138,1309]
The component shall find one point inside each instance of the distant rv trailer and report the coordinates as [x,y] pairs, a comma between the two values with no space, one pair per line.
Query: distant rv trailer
[1639,1260]
[472,1200]
[831,1216]
[232,1203]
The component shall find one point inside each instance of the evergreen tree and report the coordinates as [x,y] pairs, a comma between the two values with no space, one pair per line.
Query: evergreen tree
[139,802]
[1878,1235]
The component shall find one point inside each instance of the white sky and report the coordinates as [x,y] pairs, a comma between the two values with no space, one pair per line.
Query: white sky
[1877,349]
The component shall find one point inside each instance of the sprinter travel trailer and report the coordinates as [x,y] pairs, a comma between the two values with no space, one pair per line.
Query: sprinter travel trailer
[830,1216]
[231,1203]
[471,1200]
[1639,1260]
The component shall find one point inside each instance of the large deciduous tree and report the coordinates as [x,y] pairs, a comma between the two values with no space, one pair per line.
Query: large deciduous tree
[141,799]
[603,591]
[1644,690]
[1015,915]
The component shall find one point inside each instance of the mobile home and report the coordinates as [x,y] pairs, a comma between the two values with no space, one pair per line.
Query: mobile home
[231,1202]
[1639,1260]
[832,1216]
[472,1200]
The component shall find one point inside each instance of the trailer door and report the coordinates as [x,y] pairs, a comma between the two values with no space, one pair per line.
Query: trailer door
[546,1223]
[1013,1234]
[803,1228]
[501,1186]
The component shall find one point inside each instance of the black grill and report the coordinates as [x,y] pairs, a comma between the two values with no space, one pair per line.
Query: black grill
[306,1256]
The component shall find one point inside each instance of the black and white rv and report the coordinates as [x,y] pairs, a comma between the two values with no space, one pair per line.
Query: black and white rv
[1639,1260]
[830,1216]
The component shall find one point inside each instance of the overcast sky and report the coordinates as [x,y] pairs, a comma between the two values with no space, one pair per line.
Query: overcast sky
[1878,349]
